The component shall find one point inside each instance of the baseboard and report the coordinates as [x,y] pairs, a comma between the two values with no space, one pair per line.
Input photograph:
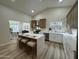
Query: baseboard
[56,42]
[5,44]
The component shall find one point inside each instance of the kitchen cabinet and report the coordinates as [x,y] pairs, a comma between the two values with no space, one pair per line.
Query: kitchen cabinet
[46,36]
[33,24]
[69,43]
[72,16]
[55,37]
[41,23]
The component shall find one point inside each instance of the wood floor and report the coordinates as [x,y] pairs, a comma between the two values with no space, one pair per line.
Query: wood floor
[51,51]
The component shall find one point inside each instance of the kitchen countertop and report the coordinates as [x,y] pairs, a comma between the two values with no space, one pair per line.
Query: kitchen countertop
[52,32]
[67,37]
[32,35]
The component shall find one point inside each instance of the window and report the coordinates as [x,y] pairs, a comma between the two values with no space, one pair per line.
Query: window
[14,25]
[26,26]
[56,26]
[18,26]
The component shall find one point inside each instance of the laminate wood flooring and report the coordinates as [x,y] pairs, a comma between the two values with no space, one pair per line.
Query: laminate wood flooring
[51,51]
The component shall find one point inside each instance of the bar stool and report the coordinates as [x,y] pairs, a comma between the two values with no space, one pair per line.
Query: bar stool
[18,41]
[23,42]
[32,44]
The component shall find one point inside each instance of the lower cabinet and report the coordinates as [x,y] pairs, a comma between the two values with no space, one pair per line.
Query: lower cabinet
[72,16]
[69,43]
[56,37]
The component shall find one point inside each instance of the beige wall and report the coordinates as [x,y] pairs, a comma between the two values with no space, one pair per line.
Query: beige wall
[7,14]
[53,14]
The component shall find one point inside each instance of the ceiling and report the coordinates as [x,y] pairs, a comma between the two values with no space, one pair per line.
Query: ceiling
[26,6]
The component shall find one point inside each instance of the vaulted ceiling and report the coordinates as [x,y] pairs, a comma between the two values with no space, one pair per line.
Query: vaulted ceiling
[26,6]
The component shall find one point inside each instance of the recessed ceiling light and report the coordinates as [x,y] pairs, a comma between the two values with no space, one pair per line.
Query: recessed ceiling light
[41,0]
[60,0]
[32,11]
[12,0]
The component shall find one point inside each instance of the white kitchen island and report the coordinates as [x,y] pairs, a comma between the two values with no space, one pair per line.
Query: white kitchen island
[40,40]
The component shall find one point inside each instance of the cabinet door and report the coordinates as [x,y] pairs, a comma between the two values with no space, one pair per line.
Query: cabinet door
[42,23]
[59,38]
[56,37]
[69,47]
[51,37]
[46,36]
[72,17]
[33,24]
[76,16]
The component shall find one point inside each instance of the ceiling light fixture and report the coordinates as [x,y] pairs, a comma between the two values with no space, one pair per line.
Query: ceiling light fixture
[32,11]
[12,0]
[60,0]
[41,0]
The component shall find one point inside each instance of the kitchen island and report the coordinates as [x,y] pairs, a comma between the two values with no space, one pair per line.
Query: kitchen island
[39,38]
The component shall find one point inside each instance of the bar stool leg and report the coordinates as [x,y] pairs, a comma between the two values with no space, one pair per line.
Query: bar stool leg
[32,53]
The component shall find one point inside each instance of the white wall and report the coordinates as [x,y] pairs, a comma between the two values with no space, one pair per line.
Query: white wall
[53,14]
[7,14]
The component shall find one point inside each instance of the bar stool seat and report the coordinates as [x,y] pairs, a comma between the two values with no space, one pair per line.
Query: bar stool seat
[23,43]
[24,40]
[31,43]
[18,39]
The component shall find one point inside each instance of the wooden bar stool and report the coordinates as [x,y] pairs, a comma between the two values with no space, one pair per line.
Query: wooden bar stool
[23,42]
[18,41]
[32,44]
